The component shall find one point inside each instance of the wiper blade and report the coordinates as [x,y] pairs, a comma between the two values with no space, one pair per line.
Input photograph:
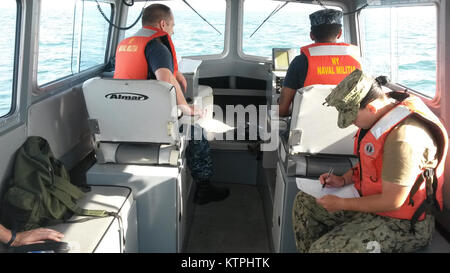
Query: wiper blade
[277,9]
[202,17]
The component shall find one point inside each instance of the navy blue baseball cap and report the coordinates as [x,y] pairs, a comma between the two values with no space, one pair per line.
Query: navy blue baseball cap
[326,17]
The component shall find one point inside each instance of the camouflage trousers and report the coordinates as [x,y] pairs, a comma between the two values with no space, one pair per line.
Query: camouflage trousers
[198,155]
[318,231]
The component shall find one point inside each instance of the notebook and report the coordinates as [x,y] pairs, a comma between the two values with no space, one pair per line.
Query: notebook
[314,188]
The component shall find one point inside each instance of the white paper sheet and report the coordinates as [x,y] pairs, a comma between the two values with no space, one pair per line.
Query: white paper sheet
[314,187]
[186,65]
[213,125]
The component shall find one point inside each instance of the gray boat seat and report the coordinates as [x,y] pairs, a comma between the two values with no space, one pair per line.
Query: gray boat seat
[315,144]
[108,234]
[133,121]
[138,144]
[314,127]
[312,166]
[85,234]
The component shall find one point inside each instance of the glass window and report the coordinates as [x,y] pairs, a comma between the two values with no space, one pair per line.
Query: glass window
[288,28]
[72,37]
[400,42]
[7,49]
[94,35]
[192,35]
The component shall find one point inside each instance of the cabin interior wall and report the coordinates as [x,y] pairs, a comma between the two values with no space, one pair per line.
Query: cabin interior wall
[9,144]
[56,112]
[63,120]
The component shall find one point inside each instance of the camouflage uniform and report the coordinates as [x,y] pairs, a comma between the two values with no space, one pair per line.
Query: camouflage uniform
[317,230]
[198,155]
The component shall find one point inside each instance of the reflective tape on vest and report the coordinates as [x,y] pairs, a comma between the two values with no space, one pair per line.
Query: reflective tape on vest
[326,50]
[389,120]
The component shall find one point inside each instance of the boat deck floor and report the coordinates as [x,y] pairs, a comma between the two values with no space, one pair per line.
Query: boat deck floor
[235,224]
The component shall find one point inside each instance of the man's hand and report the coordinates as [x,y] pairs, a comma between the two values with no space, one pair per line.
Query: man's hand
[391,198]
[334,181]
[35,236]
[331,203]
[198,111]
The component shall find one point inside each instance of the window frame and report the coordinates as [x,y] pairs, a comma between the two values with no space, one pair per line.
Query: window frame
[68,81]
[248,57]
[430,101]
[15,73]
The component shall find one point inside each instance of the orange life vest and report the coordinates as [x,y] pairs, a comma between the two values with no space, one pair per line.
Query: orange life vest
[330,63]
[367,175]
[131,62]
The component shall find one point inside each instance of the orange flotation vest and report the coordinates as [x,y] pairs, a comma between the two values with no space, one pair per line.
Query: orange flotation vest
[131,62]
[367,174]
[330,63]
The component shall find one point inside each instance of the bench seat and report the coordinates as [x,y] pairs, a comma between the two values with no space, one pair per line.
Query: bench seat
[96,235]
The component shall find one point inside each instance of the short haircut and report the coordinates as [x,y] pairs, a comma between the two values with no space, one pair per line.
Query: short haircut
[325,32]
[155,13]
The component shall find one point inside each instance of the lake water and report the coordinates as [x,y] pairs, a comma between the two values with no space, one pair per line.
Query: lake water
[412,48]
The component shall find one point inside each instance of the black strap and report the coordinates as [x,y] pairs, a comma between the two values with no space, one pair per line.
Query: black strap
[415,188]
[435,185]
[430,204]
[13,238]
[421,209]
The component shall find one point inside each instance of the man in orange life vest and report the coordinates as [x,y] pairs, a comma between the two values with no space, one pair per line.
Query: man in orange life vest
[402,148]
[150,54]
[323,62]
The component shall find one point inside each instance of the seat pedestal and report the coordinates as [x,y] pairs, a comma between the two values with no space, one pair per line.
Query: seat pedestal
[160,214]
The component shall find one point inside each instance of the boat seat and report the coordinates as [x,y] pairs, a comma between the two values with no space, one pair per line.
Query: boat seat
[314,127]
[315,144]
[133,121]
[138,144]
[106,234]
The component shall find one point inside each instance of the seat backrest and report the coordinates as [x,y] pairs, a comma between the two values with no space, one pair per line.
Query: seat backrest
[131,110]
[314,127]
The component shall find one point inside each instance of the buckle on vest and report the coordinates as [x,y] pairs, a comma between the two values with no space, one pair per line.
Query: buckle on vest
[428,173]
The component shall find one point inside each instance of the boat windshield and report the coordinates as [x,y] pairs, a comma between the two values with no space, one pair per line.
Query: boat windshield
[288,28]
[192,35]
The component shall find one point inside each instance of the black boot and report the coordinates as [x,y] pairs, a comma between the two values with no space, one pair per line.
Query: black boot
[206,193]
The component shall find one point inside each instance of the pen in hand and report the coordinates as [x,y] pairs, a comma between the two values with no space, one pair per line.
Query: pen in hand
[325,180]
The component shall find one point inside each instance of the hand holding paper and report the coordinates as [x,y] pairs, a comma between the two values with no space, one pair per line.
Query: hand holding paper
[213,126]
[329,197]
[314,187]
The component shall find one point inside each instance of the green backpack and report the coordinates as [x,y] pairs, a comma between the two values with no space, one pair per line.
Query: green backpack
[40,191]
